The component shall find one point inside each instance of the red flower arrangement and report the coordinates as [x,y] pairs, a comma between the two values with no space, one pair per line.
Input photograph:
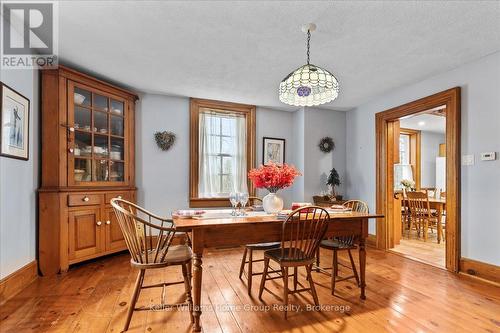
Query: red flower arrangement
[273,176]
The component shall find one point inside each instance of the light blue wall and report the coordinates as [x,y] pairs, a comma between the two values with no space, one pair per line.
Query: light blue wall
[18,184]
[163,177]
[480,83]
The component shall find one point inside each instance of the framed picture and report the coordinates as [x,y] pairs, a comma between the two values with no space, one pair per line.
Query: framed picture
[14,121]
[273,150]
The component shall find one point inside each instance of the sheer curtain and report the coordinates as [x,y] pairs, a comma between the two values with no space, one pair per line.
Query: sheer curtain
[215,144]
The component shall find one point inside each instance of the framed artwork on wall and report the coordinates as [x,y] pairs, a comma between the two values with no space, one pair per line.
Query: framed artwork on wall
[273,150]
[14,121]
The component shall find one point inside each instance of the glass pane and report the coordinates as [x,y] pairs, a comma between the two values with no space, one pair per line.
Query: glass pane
[227,165]
[116,125]
[228,126]
[101,122]
[117,107]
[100,173]
[227,145]
[81,97]
[101,146]
[83,144]
[82,118]
[117,172]
[117,152]
[83,170]
[100,102]
[226,184]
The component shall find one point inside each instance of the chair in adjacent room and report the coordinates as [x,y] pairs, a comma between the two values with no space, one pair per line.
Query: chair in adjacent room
[344,243]
[148,238]
[421,214]
[302,232]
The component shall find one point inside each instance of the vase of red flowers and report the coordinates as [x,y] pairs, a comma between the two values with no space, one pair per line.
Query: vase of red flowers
[273,177]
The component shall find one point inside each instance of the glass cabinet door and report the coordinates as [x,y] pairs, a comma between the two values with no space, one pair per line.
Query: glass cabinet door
[97,136]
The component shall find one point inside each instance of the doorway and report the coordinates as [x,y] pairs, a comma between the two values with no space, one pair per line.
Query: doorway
[390,201]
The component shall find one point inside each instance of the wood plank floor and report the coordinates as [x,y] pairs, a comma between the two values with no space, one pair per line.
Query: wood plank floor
[402,296]
[429,252]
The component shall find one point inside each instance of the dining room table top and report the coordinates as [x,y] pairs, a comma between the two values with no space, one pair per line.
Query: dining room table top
[219,219]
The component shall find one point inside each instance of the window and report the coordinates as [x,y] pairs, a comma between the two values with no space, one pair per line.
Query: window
[222,151]
[404,149]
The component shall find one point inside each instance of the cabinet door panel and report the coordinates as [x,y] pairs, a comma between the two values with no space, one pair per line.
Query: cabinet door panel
[114,235]
[85,233]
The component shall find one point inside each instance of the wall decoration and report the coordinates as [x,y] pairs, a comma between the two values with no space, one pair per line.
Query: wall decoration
[273,150]
[165,140]
[14,121]
[326,144]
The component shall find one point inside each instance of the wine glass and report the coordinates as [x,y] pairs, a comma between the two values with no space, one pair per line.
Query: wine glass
[233,198]
[243,199]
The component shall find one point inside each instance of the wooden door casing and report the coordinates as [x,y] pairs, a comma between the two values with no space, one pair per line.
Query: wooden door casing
[85,232]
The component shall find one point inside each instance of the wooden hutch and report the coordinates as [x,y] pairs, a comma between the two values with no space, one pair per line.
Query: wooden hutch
[87,159]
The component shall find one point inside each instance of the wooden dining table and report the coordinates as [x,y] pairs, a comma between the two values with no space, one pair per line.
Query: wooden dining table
[234,231]
[439,205]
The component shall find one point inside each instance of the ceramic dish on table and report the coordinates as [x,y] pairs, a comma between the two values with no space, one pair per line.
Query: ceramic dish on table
[188,213]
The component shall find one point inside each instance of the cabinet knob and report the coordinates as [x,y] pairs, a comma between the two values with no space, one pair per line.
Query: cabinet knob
[86,198]
[108,222]
[99,223]
[71,150]
[71,129]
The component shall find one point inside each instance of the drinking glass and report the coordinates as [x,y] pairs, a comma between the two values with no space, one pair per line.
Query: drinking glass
[243,199]
[233,198]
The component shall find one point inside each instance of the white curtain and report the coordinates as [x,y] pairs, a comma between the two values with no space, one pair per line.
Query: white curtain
[211,150]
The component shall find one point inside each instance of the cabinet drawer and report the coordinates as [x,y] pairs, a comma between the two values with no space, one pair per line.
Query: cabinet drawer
[119,195]
[84,199]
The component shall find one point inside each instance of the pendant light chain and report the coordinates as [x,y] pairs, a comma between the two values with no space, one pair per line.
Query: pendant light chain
[308,42]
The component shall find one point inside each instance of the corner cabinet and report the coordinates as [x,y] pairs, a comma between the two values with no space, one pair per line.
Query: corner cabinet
[88,148]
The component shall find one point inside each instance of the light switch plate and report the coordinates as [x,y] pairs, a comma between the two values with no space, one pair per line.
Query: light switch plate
[467,159]
[489,156]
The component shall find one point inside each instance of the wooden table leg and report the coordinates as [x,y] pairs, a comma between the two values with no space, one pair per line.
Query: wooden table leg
[362,266]
[198,246]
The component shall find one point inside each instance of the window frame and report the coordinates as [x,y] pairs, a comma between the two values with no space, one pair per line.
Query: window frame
[196,104]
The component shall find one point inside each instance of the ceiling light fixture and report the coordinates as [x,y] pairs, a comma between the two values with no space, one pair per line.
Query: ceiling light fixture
[421,123]
[308,85]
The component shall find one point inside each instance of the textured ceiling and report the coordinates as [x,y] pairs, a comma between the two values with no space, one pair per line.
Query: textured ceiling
[239,51]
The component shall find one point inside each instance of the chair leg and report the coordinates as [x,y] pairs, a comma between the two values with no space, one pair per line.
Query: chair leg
[311,285]
[426,227]
[187,287]
[317,260]
[335,268]
[285,289]
[133,299]
[264,276]
[242,267]
[295,282]
[354,270]
[250,271]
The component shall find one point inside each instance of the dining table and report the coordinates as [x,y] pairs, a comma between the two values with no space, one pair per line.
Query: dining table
[437,204]
[220,229]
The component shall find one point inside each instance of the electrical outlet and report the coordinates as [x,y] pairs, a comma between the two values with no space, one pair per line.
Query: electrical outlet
[467,159]
[489,156]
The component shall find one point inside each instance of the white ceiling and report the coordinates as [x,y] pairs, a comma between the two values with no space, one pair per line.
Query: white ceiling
[425,122]
[239,51]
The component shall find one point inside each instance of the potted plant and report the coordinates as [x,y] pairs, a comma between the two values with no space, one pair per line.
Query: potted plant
[273,177]
[334,180]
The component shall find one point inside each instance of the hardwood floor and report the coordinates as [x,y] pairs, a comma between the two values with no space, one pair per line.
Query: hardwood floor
[428,252]
[402,296]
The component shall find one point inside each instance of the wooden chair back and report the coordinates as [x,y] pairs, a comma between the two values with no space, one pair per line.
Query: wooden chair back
[418,202]
[302,232]
[147,235]
[356,206]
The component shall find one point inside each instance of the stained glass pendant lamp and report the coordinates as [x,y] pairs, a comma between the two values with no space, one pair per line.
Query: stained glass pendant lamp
[308,85]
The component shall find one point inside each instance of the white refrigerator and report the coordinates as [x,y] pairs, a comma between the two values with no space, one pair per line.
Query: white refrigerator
[441,174]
